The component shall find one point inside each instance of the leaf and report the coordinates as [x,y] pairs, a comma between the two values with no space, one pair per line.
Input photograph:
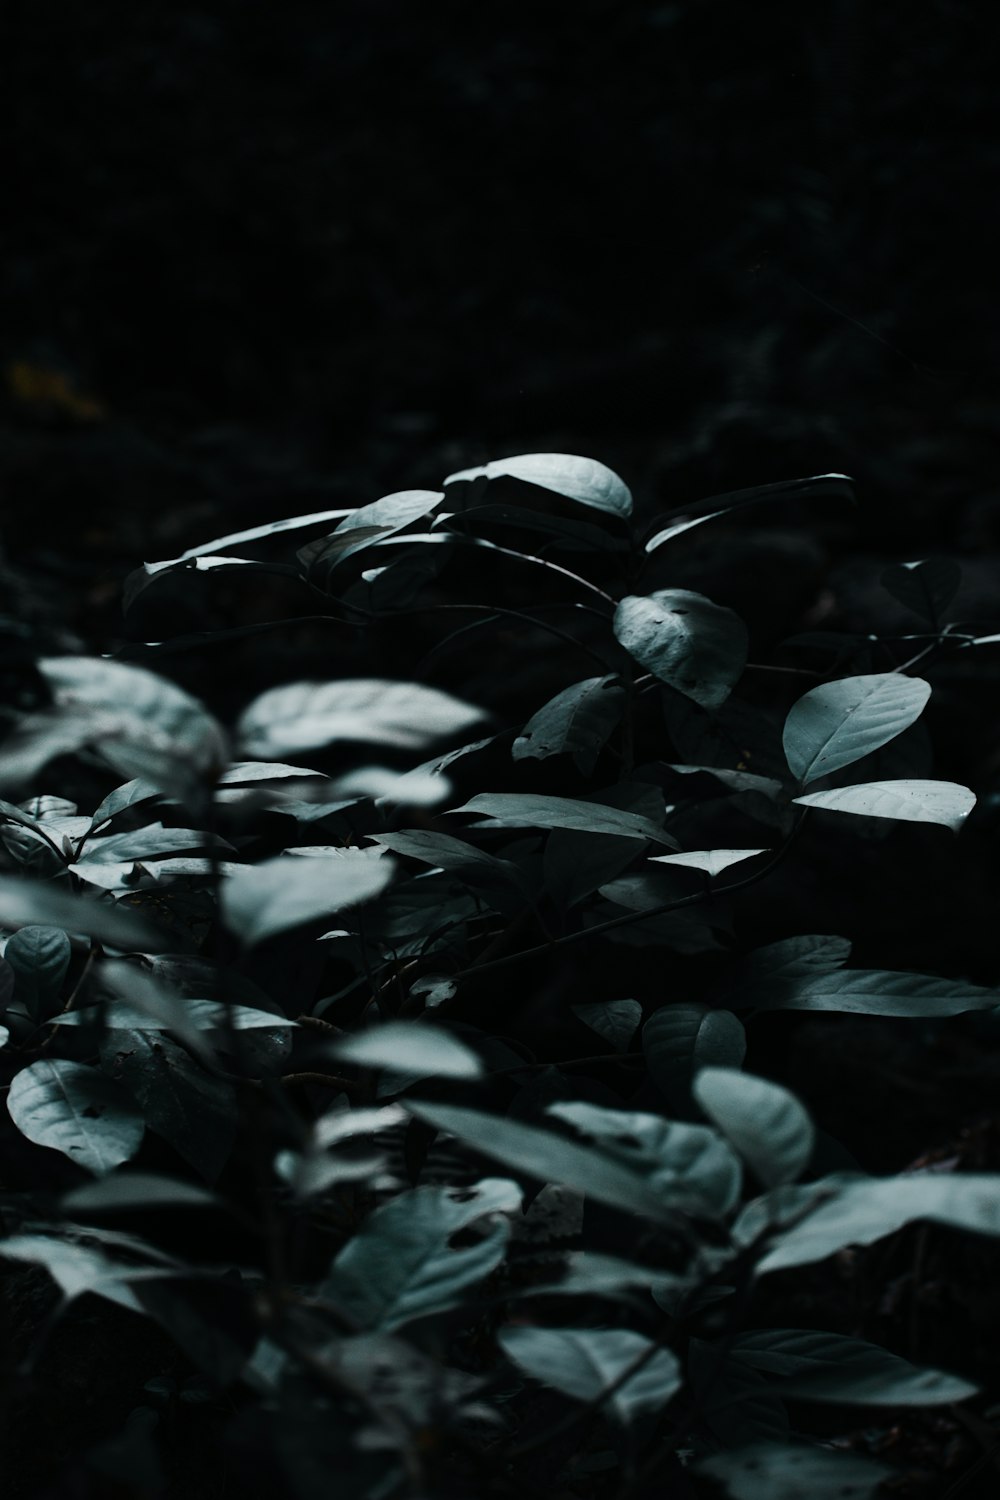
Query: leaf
[547,1156]
[261,901]
[697,647]
[150,843]
[74,1109]
[39,957]
[615,1020]
[311,715]
[910,801]
[401,1266]
[838,723]
[775,1471]
[768,1126]
[815,1366]
[679,1040]
[76,1268]
[852,1210]
[526,810]
[379,519]
[737,1403]
[499,878]
[125,1192]
[193,1110]
[872,992]
[254,534]
[688,1166]
[576,864]
[582,479]
[589,1363]
[736,781]
[578,722]
[926,588]
[832,485]
[710,861]
[130,795]
[25,903]
[410,1047]
[248,772]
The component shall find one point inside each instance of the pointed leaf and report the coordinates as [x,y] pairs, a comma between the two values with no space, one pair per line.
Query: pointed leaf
[697,647]
[578,722]
[75,1109]
[768,1126]
[596,1365]
[310,715]
[815,1366]
[124,1192]
[910,801]
[872,992]
[582,479]
[401,1265]
[832,485]
[526,810]
[838,723]
[710,861]
[261,901]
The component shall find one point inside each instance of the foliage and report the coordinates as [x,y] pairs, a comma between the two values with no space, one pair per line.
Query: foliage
[308,1005]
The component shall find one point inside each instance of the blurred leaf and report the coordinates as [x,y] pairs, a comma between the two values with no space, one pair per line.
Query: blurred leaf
[310,715]
[261,901]
[593,1365]
[768,1126]
[410,1047]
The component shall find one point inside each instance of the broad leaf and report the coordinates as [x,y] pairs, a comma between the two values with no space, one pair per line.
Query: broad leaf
[679,1040]
[870,992]
[311,715]
[826,485]
[75,1109]
[578,721]
[927,587]
[709,861]
[768,1126]
[581,479]
[528,810]
[25,903]
[410,1047]
[689,1166]
[500,879]
[125,1192]
[261,901]
[253,534]
[624,1371]
[615,1020]
[130,795]
[852,1210]
[697,647]
[39,957]
[815,1366]
[838,723]
[150,843]
[549,1157]
[401,1265]
[774,1471]
[381,518]
[193,1110]
[910,801]
[77,1269]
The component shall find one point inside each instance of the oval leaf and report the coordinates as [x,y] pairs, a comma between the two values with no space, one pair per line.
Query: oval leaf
[768,1126]
[263,900]
[311,715]
[774,1471]
[410,1047]
[681,1039]
[39,957]
[581,479]
[623,1371]
[872,992]
[528,810]
[942,802]
[578,722]
[75,1109]
[840,722]
[697,647]
[815,1366]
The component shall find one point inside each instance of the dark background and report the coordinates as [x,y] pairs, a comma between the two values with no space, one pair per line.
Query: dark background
[264,259]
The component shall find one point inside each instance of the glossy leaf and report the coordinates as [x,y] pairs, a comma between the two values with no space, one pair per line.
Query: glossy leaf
[311,715]
[153,842]
[872,992]
[768,1126]
[261,901]
[401,1265]
[578,721]
[594,1365]
[679,1040]
[528,810]
[926,587]
[39,957]
[75,1109]
[697,647]
[824,485]
[910,801]
[581,479]
[379,519]
[815,1366]
[840,722]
